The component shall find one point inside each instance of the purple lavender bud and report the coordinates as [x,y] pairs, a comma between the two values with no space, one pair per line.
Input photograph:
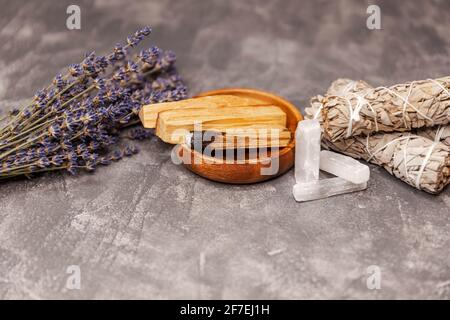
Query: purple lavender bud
[26,113]
[134,40]
[127,152]
[106,161]
[155,97]
[93,146]
[55,131]
[110,140]
[119,75]
[40,95]
[32,153]
[132,67]
[71,157]
[134,150]
[90,166]
[57,160]
[168,59]
[42,104]
[66,145]
[140,134]
[100,98]
[117,155]
[86,104]
[137,95]
[175,77]
[101,63]
[125,119]
[150,56]
[69,123]
[81,148]
[88,65]
[43,162]
[89,57]
[178,93]
[14,112]
[75,70]
[85,155]
[119,52]
[72,169]
[145,31]
[93,157]
[58,82]
[41,152]
[56,106]
[99,83]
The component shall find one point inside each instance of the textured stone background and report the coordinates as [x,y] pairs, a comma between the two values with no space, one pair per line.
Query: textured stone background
[145,228]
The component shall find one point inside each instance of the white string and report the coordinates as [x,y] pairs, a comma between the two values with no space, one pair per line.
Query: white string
[316,115]
[367,148]
[408,103]
[439,134]
[436,142]
[354,114]
[405,162]
[437,139]
[440,85]
[388,144]
[405,105]
[374,115]
[349,87]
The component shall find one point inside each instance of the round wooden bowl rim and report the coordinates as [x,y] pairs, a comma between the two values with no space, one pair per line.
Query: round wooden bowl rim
[279,153]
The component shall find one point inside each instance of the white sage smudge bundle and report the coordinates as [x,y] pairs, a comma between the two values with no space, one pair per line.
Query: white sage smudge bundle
[402,107]
[416,159]
[342,87]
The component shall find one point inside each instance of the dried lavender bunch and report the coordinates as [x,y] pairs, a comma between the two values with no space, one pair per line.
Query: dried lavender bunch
[72,123]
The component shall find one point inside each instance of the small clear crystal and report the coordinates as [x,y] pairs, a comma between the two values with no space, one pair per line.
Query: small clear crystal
[343,166]
[320,189]
[307,151]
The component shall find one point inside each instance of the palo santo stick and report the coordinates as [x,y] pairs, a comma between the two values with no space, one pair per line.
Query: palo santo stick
[241,138]
[149,113]
[172,126]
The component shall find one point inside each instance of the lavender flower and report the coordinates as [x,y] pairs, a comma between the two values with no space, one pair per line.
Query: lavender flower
[139,134]
[72,124]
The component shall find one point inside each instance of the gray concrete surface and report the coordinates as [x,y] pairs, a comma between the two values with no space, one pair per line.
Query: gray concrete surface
[146,228]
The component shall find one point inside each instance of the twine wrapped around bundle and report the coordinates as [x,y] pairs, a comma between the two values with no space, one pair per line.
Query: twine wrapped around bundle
[412,157]
[398,108]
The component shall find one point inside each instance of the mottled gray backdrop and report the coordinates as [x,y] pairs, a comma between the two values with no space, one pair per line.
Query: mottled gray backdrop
[146,228]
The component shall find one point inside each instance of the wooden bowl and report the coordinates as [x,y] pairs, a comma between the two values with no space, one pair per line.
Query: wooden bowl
[250,170]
